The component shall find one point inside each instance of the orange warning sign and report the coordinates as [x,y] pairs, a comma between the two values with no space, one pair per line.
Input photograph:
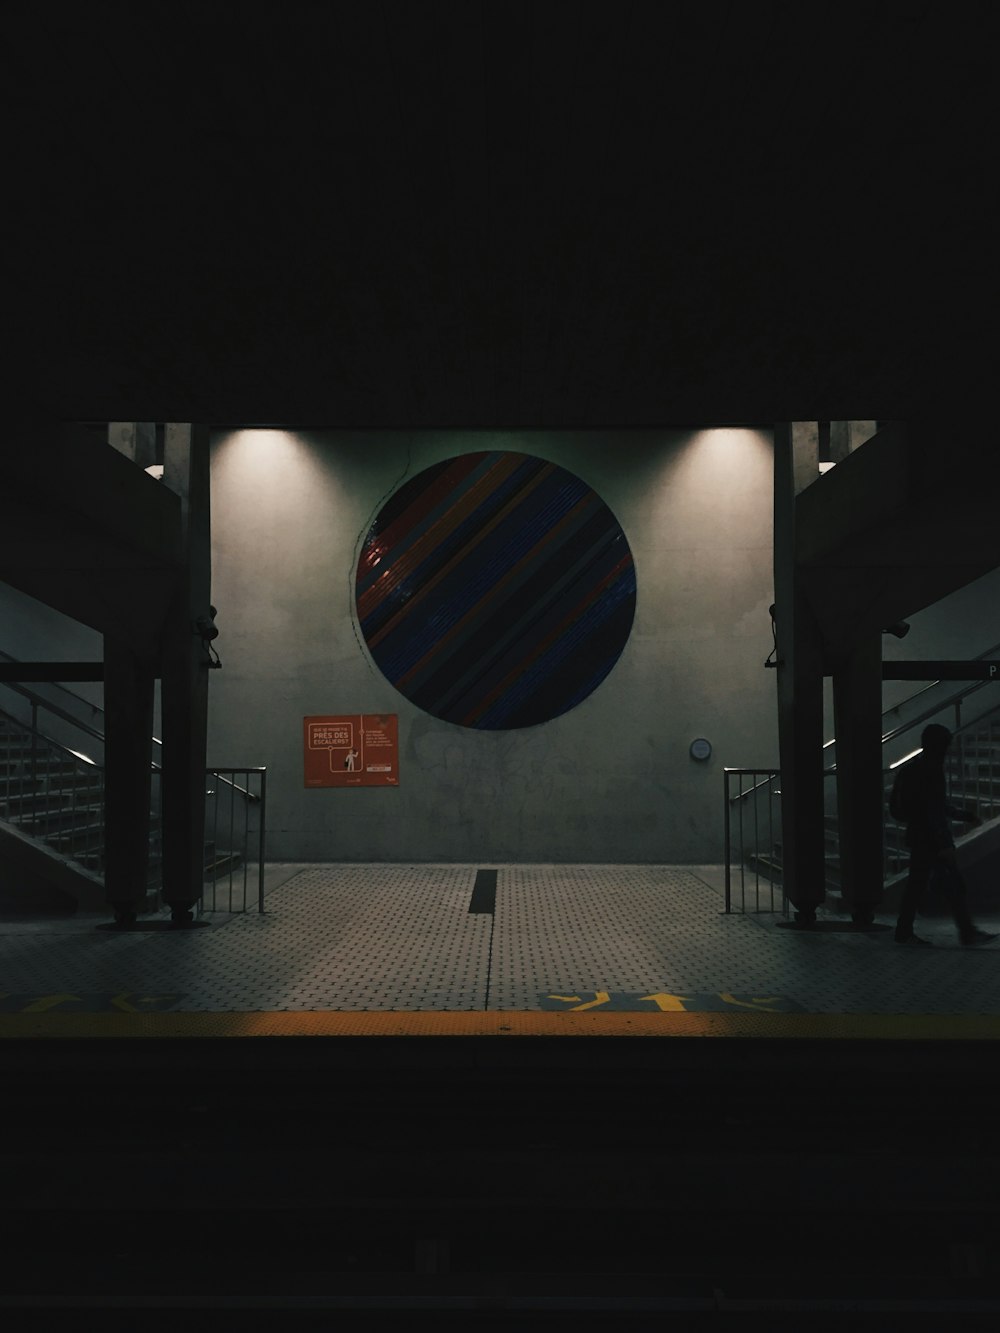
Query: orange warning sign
[351,750]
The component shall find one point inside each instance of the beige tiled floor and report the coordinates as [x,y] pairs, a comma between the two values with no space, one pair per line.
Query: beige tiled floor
[400,937]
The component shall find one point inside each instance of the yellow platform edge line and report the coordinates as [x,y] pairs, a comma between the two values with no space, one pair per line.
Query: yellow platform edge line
[500,1023]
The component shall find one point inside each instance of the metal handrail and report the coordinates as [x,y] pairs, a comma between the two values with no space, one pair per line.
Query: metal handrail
[742,795]
[56,685]
[31,795]
[40,701]
[43,806]
[56,745]
[54,708]
[984,656]
[250,795]
[932,712]
[973,787]
[955,698]
[262,798]
[768,775]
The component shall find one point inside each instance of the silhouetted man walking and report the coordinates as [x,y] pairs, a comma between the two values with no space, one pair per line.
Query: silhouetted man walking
[921,799]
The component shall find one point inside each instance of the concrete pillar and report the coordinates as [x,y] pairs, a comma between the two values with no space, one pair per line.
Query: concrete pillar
[857,700]
[840,440]
[134,439]
[184,687]
[800,685]
[845,436]
[128,723]
[859,432]
[805,454]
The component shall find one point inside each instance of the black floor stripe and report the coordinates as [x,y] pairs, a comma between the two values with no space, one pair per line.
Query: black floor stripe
[484,892]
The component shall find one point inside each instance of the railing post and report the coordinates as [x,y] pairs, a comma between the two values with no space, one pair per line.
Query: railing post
[725,787]
[772,843]
[215,838]
[232,833]
[260,853]
[128,762]
[246,836]
[743,853]
[756,848]
[34,741]
[33,766]
[857,702]
[72,818]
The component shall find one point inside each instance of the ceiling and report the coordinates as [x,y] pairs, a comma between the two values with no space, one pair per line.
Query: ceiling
[496,214]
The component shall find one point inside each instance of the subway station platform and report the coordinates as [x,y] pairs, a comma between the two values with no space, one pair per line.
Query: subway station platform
[501,951]
[442,1126]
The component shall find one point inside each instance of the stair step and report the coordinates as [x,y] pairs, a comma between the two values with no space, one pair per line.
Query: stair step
[57,827]
[77,834]
[65,817]
[10,768]
[219,870]
[15,745]
[47,798]
[92,858]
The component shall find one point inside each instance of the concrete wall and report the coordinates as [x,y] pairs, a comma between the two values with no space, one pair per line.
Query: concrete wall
[610,781]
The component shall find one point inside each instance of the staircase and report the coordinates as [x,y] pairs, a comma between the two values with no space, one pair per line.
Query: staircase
[52,827]
[51,794]
[972,771]
[51,823]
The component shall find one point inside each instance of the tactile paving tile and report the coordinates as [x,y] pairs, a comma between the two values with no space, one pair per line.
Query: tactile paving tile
[334,937]
[398,937]
[580,930]
[614,928]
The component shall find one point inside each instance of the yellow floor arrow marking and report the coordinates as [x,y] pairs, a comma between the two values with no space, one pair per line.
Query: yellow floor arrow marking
[670,1004]
[757,1004]
[121,1002]
[603,997]
[44,1002]
[568,999]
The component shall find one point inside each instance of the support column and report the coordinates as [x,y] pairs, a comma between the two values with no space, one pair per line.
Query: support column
[800,686]
[184,687]
[134,439]
[840,440]
[857,701]
[128,722]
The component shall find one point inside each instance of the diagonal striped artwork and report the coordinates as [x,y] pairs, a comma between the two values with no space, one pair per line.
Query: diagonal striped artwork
[495,590]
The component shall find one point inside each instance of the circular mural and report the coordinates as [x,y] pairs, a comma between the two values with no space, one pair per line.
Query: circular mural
[495,590]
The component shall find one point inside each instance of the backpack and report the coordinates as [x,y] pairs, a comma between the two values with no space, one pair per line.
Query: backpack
[899,797]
